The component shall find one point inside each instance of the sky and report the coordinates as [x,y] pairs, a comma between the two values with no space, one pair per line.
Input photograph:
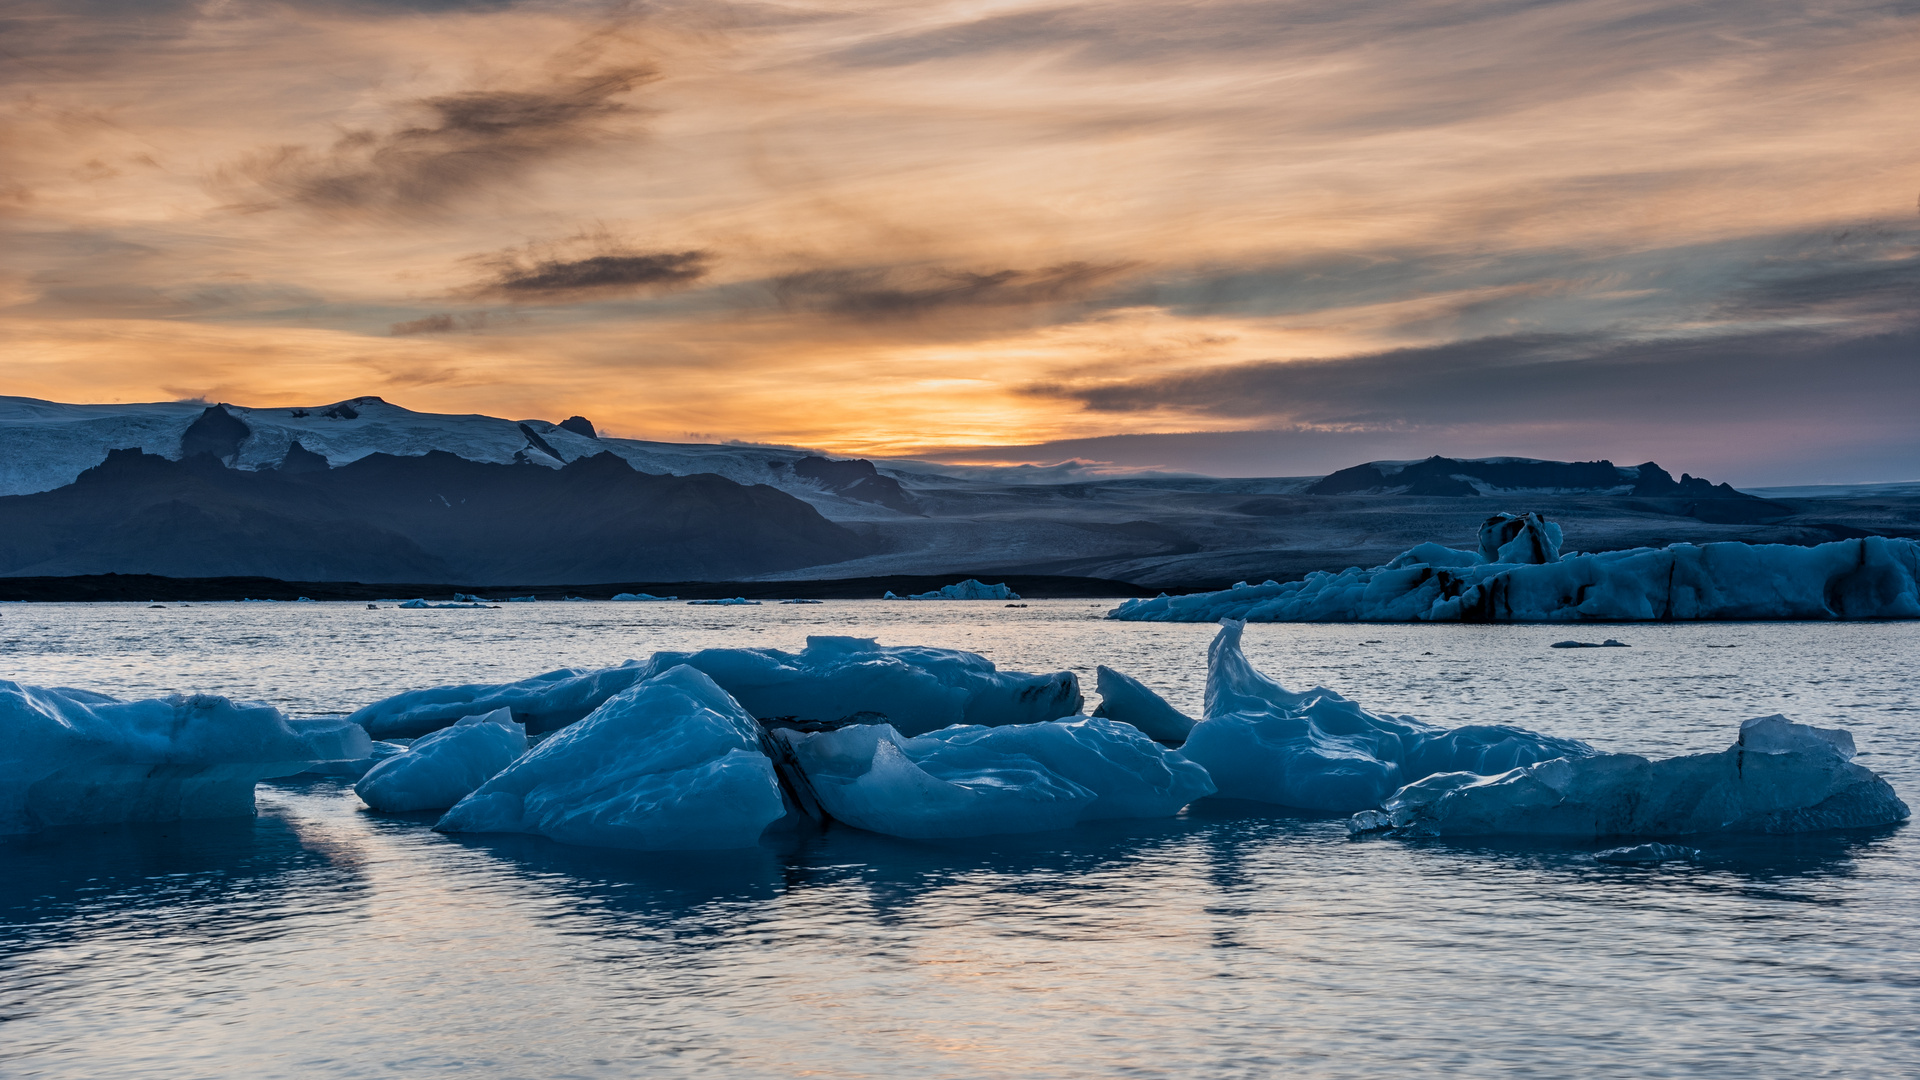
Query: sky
[1236,238]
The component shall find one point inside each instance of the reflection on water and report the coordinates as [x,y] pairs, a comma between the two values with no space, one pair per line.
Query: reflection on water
[322,940]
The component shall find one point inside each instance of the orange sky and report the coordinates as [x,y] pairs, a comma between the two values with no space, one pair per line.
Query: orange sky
[882,228]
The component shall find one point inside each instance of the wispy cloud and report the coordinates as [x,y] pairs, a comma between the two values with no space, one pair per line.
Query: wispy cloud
[906,293]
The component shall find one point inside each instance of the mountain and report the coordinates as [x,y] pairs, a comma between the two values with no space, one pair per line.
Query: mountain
[432,517]
[366,489]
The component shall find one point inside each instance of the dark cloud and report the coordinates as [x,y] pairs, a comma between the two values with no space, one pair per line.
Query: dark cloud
[610,274]
[429,324]
[1781,378]
[463,144]
[901,293]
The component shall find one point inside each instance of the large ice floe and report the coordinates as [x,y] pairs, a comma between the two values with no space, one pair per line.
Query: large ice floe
[1518,574]
[916,688]
[440,769]
[70,757]
[669,763]
[1128,700]
[970,589]
[1316,750]
[1777,777]
[977,781]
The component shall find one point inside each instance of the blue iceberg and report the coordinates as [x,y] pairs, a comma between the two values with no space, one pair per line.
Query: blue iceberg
[1315,750]
[440,769]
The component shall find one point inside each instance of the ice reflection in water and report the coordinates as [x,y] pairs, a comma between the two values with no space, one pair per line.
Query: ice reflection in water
[321,940]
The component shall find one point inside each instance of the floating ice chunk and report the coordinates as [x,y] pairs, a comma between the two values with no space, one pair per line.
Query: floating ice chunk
[440,769]
[422,604]
[799,601]
[916,688]
[970,589]
[672,763]
[642,596]
[1648,855]
[71,757]
[1127,699]
[1316,750]
[1872,577]
[1610,643]
[542,703]
[889,595]
[732,601]
[1781,777]
[978,781]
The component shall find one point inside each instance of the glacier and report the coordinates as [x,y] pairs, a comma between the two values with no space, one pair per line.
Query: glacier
[670,763]
[440,769]
[1315,750]
[969,780]
[1518,574]
[1777,777]
[75,757]
[917,688]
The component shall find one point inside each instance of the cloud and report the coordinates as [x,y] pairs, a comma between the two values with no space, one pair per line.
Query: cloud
[459,145]
[517,278]
[905,293]
[429,324]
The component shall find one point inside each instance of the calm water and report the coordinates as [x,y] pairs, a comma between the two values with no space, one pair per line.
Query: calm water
[320,940]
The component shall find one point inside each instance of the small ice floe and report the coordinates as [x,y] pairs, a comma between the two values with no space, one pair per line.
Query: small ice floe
[731,601]
[522,599]
[469,598]
[1647,855]
[417,605]
[970,589]
[1610,643]
[798,601]
[576,598]
[641,596]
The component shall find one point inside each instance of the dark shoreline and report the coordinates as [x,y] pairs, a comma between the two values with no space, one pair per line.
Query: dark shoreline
[152,587]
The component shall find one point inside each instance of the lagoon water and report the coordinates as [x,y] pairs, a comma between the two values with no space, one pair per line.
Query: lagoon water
[322,940]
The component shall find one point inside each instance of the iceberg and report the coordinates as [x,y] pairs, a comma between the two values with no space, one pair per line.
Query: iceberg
[969,780]
[1518,576]
[642,596]
[418,605]
[543,702]
[918,688]
[915,688]
[799,601]
[732,601]
[1777,777]
[671,763]
[74,757]
[969,589]
[1315,750]
[1127,699]
[440,769]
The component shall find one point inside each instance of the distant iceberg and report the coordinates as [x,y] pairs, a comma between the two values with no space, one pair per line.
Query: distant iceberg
[981,781]
[1316,750]
[1778,777]
[917,688]
[969,589]
[444,767]
[73,757]
[671,763]
[731,601]
[642,596]
[422,604]
[1519,575]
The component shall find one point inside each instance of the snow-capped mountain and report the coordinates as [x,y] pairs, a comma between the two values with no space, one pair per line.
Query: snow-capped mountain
[908,517]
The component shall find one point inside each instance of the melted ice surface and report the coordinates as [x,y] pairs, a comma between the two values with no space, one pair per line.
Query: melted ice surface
[320,940]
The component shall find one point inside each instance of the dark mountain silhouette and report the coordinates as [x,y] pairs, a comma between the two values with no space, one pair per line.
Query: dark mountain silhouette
[436,517]
[855,479]
[1655,487]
